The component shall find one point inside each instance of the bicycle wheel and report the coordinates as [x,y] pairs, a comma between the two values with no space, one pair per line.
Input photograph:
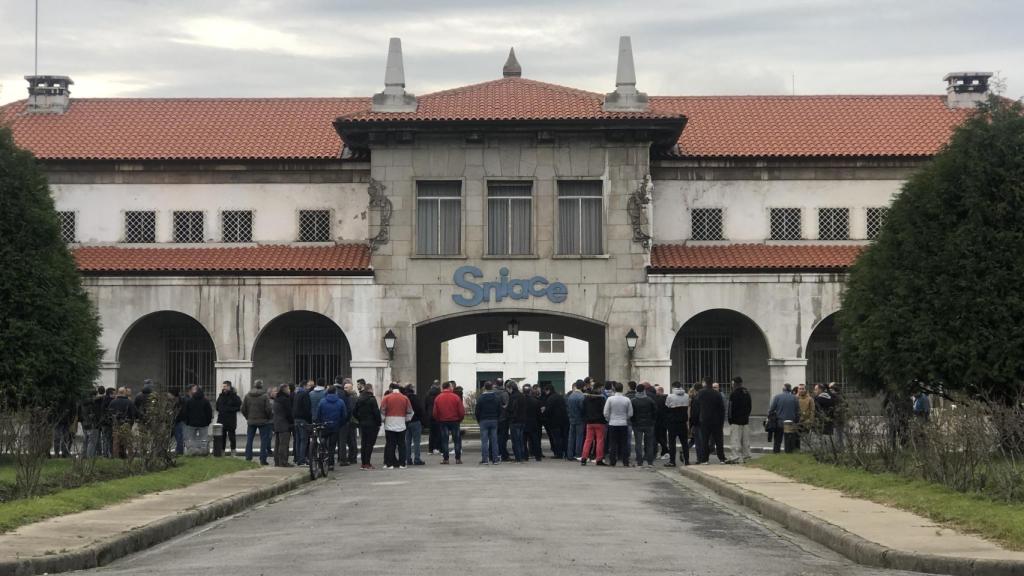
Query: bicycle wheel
[314,465]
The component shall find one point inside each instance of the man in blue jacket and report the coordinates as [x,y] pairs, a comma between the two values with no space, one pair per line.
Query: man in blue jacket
[487,413]
[331,412]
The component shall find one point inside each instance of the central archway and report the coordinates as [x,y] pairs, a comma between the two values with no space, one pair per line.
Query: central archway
[298,346]
[431,334]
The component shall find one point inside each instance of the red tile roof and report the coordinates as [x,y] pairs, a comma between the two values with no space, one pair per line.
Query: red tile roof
[183,129]
[795,126]
[667,258]
[339,259]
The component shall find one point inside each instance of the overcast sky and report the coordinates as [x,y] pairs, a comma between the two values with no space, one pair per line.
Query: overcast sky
[205,48]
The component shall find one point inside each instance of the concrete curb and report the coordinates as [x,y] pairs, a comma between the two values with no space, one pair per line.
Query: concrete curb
[850,545]
[106,551]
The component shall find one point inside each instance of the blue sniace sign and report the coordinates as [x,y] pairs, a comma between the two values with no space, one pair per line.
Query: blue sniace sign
[513,288]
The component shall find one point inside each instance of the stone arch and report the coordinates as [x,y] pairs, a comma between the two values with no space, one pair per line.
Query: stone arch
[169,347]
[824,362]
[298,345]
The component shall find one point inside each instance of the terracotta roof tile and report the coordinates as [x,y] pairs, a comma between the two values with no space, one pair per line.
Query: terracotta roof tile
[269,259]
[667,258]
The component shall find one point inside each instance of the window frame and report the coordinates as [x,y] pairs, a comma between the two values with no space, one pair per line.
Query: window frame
[252,225]
[883,212]
[487,338]
[461,253]
[298,225]
[601,225]
[799,226]
[550,340]
[532,252]
[61,215]
[124,224]
[822,210]
[721,223]
[189,213]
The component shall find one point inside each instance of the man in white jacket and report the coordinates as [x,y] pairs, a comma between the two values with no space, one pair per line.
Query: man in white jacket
[617,411]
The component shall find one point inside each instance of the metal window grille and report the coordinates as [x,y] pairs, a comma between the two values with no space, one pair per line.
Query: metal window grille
[579,217]
[188,227]
[707,356]
[68,227]
[314,225]
[706,224]
[438,217]
[875,220]
[189,359]
[490,343]
[319,352]
[825,365]
[833,224]
[509,217]
[785,224]
[140,226]
[552,343]
[236,226]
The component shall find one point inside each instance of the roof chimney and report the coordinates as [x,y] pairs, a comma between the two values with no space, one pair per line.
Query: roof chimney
[966,89]
[394,98]
[48,94]
[512,69]
[625,98]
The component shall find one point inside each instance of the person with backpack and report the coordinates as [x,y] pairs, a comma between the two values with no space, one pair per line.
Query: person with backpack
[367,412]
[332,412]
[198,416]
[739,418]
[228,405]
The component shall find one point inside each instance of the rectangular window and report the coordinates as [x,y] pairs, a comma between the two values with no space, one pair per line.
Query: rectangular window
[188,227]
[833,223]
[490,343]
[68,227]
[236,226]
[314,225]
[140,227]
[785,224]
[875,221]
[579,217]
[551,343]
[438,218]
[706,224]
[509,217]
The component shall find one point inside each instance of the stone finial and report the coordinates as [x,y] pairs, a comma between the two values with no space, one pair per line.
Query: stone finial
[512,69]
[394,98]
[625,98]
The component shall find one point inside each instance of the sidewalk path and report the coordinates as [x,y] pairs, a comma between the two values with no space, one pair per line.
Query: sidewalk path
[96,537]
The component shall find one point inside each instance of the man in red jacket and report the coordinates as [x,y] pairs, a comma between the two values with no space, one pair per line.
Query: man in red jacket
[448,413]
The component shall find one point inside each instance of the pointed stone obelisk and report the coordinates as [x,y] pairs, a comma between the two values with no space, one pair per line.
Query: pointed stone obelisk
[394,98]
[512,69]
[625,98]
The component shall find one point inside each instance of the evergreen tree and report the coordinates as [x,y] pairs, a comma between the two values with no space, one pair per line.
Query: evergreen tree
[939,297]
[49,330]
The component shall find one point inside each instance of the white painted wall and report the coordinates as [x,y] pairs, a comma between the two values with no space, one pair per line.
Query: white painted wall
[746,204]
[521,359]
[100,208]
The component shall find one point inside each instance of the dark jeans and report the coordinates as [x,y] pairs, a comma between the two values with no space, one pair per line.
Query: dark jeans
[489,441]
[434,438]
[179,438]
[504,433]
[331,438]
[414,436]
[556,439]
[533,437]
[394,440]
[350,441]
[790,441]
[678,431]
[227,434]
[301,442]
[661,437]
[617,446]
[712,435]
[367,436]
[343,443]
[518,442]
[574,440]
[451,428]
[643,439]
[282,442]
[265,431]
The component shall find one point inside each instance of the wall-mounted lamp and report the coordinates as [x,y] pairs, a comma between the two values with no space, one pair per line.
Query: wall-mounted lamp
[631,340]
[389,342]
[513,328]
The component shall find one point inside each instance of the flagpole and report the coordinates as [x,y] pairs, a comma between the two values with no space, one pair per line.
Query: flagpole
[35,66]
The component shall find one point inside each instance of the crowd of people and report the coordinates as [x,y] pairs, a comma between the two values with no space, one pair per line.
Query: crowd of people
[796,413]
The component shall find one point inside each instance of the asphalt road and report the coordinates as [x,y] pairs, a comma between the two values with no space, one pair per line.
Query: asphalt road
[549,518]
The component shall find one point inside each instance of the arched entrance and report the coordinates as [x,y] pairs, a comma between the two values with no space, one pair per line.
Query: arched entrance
[430,336]
[824,363]
[300,345]
[720,344]
[170,348]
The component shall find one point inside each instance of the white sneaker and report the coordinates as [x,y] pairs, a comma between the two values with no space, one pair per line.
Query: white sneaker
[402,467]
[666,456]
[389,467]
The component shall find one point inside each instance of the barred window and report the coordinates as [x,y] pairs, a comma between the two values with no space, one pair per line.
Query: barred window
[509,217]
[188,227]
[833,224]
[140,227]
[875,220]
[236,226]
[314,225]
[490,343]
[706,224]
[551,343]
[707,356]
[785,224]
[579,217]
[68,227]
[438,217]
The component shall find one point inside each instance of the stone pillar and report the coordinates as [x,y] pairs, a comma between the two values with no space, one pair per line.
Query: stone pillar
[239,373]
[108,374]
[657,371]
[376,372]
[786,370]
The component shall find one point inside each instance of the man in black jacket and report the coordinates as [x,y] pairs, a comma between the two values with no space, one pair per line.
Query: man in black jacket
[228,405]
[367,411]
[676,416]
[198,416]
[501,391]
[414,427]
[739,418]
[708,414]
[660,431]
[517,421]
[556,420]
[434,433]
[302,416]
[645,415]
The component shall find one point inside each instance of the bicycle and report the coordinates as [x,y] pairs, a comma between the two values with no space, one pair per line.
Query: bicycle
[319,451]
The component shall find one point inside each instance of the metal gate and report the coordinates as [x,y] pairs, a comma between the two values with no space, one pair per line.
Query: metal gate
[706,356]
[825,366]
[319,352]
[188,360]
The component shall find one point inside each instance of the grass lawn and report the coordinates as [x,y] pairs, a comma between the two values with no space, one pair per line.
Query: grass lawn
[189,470]
[998,521]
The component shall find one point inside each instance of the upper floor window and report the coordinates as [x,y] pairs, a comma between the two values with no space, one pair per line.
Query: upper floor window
[833,224]
[438,217]
[509,217]
[314,225]
[551,343]
[706,224]
[785,224]
[236,226]
[68,227]
[579,217]
[875,220]
[490,343]
[188,227]
[140,226]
